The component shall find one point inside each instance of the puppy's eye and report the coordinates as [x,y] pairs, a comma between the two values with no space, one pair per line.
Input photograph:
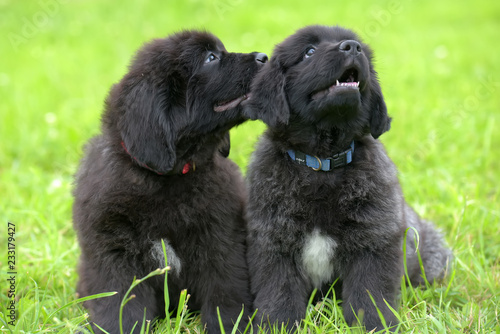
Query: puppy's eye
[309,52]
[210,58]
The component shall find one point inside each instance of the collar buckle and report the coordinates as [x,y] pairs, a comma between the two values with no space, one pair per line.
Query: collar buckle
[315,163]
[338,160]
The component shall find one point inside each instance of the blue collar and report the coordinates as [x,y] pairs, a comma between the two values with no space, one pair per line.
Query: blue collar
[338,160]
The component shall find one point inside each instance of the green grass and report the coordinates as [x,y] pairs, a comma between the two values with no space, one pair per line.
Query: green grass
[439,68]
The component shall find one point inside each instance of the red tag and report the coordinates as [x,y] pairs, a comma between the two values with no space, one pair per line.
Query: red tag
[186,168]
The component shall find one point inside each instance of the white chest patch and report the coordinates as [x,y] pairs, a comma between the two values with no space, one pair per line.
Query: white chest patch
[173,260]
[317,257]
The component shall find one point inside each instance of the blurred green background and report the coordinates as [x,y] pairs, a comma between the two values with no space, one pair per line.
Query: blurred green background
[438,62]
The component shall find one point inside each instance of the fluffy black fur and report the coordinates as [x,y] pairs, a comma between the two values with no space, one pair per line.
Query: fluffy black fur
[309,228]
[172,111]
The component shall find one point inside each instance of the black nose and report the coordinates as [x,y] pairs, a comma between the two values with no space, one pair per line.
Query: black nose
[261,57]
[350,47]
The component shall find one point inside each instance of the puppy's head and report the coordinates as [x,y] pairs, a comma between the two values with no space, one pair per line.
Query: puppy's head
[320,76]
[181,92]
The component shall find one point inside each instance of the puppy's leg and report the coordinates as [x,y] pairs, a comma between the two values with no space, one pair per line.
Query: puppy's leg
[280,290]
[224,285]
[104,312]
[375,274]
[229,311]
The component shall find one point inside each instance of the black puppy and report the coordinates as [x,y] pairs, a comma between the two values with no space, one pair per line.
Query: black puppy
[324,198]
[155,173]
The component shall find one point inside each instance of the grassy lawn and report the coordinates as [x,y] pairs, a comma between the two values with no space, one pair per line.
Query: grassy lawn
[439,66]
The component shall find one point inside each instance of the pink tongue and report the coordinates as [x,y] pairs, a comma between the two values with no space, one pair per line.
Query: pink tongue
[229,105]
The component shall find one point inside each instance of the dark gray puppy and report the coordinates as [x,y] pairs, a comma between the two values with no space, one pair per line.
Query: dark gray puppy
[156,172]
[325,202]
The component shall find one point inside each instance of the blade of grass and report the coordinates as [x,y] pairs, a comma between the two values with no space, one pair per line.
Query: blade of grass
[135,283]
[166,295]
[77,301]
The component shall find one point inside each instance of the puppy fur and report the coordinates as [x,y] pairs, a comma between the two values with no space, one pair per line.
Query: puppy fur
[156,173]
[307,228]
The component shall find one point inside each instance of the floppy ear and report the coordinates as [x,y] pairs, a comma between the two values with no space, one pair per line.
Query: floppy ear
[380,121]
[268,101]
[146,131]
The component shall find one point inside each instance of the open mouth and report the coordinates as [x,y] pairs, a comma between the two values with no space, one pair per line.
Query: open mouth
[226,105]
[348,79]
